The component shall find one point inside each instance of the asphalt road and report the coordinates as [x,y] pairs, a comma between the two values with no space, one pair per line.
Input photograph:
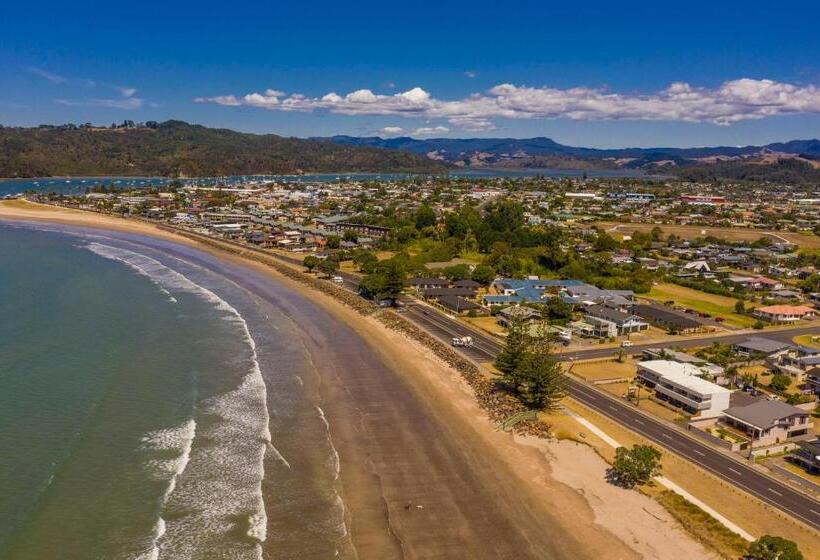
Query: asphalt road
[736,472]
[730,469]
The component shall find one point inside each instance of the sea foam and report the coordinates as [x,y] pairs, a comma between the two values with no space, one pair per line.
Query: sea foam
[236,446]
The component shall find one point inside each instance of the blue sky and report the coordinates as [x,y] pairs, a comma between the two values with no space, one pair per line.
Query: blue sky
[596,74]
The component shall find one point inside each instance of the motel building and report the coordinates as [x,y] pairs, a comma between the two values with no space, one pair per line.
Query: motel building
[784,313]
[681,386]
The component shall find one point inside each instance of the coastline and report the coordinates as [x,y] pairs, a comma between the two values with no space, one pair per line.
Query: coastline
[416,436]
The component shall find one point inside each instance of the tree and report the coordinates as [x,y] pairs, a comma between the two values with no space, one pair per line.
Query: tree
[310,262]
[515,346]
[365,260]
[740,307]
[484,274]
[769,547]
[635,466]
[333,241]
[780,382]
[539,378]
[425,217]
[758,325]
[328,266]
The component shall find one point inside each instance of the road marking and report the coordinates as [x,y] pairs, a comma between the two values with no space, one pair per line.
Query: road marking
[815,513]
[699,452]
[773,491]
[637,421]
[612,408]
[735,471]
[667,436]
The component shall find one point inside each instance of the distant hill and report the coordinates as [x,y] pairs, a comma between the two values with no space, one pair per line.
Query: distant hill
[797,159]
[177,148]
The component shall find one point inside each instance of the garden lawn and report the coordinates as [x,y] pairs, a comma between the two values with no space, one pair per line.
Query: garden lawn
[714,305]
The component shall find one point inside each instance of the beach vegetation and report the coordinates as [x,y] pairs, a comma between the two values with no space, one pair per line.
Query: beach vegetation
[770,547]
[635,466]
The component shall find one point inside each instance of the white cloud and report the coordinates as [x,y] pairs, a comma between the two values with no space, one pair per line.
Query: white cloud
[391,131]
[46,75]
[127,91]
[128,101]
[470,74]
[430,130]
[732,101]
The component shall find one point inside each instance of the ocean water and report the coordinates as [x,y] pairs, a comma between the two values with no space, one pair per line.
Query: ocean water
[78,185]
[152,408]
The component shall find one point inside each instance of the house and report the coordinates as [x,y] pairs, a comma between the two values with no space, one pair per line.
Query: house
[784,313]
[769,422]
[526,314]
[428,283]
[709,369]
[758,345]
[457,304]
[666,319]
[807,455]
[624,323]
[795,362]
[681,386]
[468,284]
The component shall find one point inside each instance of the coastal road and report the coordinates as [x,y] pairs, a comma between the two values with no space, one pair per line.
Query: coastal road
[736,472]
[730,469]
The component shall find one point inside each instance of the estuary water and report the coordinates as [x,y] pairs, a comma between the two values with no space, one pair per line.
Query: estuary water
[153,408]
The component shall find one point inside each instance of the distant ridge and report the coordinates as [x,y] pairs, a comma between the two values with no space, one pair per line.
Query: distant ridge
[175,148]
[793,162]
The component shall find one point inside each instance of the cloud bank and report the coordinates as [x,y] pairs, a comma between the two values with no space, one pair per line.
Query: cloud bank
[733,101]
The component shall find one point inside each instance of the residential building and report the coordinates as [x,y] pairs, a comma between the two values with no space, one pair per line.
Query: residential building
[807,455]
[681,385]
[757,345]
[623,323]
[769,422]
[784,313]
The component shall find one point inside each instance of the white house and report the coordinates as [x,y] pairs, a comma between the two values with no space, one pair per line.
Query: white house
[681,386]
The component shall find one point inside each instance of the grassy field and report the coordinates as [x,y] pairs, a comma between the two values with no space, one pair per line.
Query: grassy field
[805,340]
[599,370]
[802,240]
[488,324]
[716,306]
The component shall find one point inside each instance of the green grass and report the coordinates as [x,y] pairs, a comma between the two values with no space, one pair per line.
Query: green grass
[714,305]
[703,526]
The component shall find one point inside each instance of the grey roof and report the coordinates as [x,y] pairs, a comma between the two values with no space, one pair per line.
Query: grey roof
[457,303]
[763,345]
[601,312]
[764,414]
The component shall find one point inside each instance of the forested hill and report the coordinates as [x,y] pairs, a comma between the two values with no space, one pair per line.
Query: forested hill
[176,148]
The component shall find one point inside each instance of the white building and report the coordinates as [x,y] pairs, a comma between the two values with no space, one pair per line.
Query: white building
[681,386]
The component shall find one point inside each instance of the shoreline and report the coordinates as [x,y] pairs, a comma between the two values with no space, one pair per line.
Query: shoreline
[469,479]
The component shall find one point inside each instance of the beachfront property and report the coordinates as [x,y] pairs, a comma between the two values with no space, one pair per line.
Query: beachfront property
[807,455]
[784,313]
[769,422]
[613,322]
[681,385]
[759,346]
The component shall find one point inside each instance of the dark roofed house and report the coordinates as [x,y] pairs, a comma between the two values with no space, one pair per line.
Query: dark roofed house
[457,304]
[441,292]
[760,345]
[623,322]
[666,319]
[471,284]
[769,422]
[421,283]
[807,455]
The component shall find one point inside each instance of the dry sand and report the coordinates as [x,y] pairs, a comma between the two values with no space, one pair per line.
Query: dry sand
[409,433]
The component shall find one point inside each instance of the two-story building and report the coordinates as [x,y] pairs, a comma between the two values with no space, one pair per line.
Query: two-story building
[769,422]
[681,385]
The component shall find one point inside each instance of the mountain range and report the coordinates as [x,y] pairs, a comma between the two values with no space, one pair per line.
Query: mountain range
[545,152]
[176,148]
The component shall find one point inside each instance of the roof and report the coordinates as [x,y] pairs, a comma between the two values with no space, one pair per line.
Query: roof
[654,313]
[762,345]
[458,303]
[765,413]
[602,312]
[684,375]
[785,309]
[421,281]
[466,284]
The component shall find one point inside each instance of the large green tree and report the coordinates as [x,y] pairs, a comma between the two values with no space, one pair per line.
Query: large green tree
[636,465]
[539,378]
[769,547]
[514,349]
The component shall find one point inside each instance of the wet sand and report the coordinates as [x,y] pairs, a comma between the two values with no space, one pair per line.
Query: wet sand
[423,473]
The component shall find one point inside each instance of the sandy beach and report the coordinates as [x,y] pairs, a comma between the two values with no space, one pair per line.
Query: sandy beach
[423,472]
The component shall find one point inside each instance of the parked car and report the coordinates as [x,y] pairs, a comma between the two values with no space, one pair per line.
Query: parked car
[626,343]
